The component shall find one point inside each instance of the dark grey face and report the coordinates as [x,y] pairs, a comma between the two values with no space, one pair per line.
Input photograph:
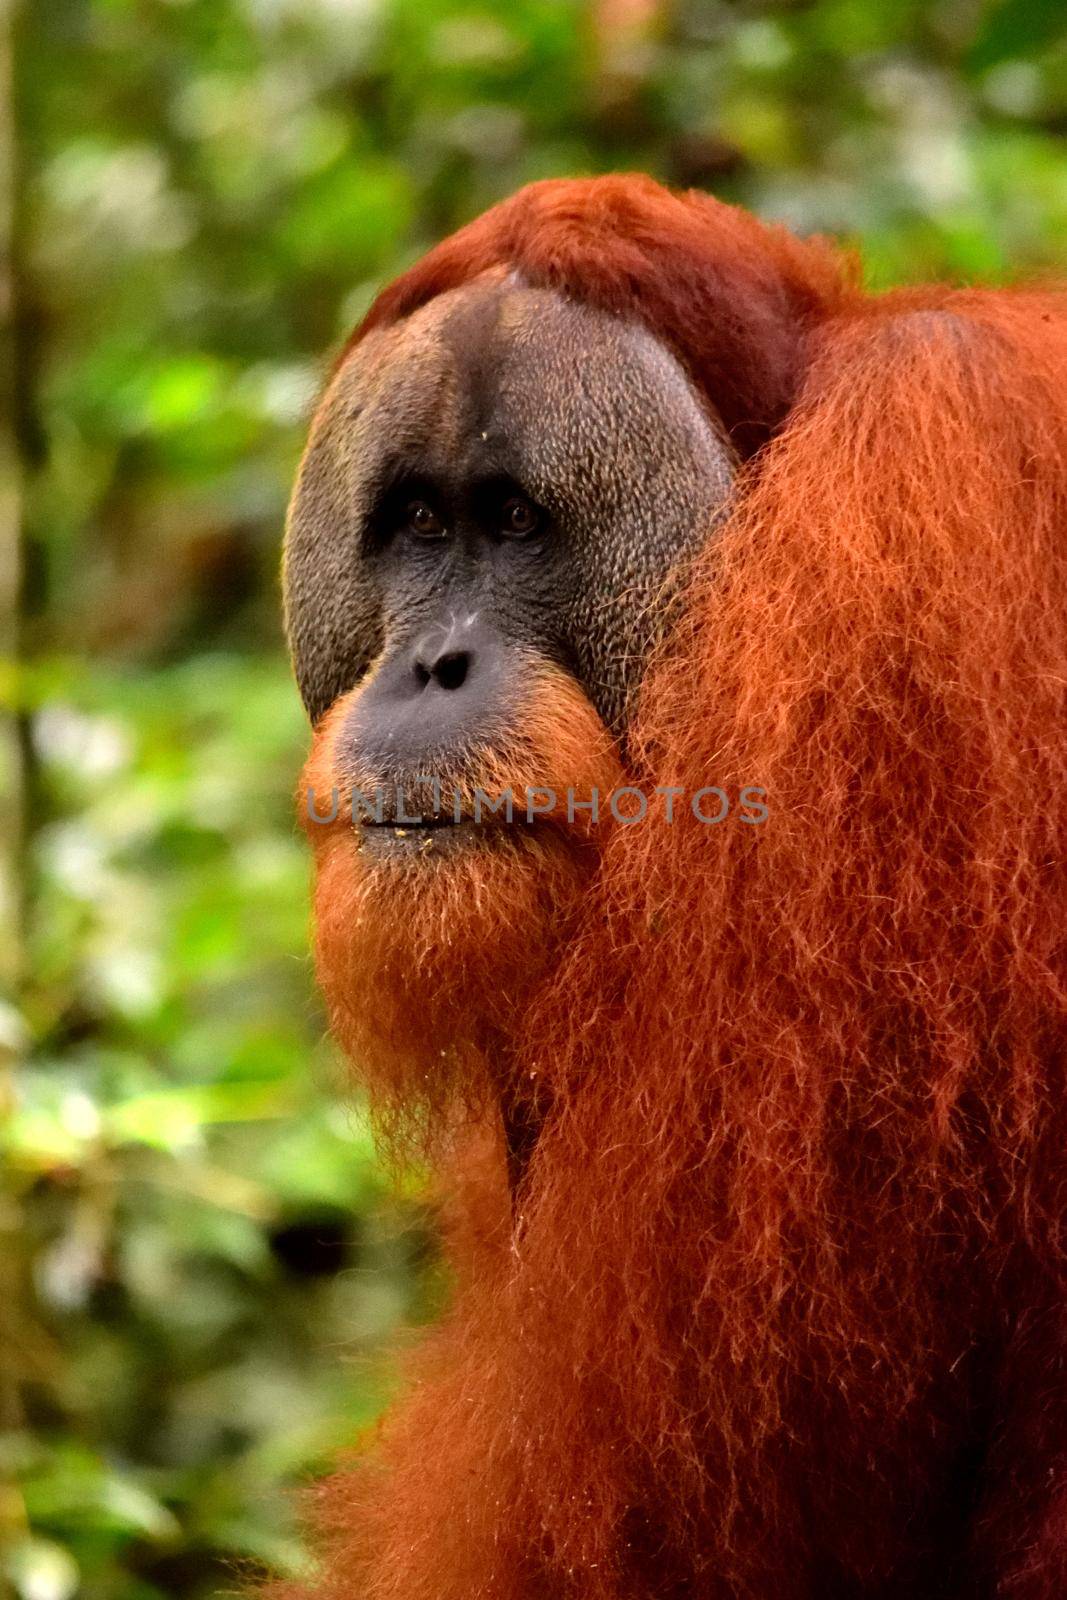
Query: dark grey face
[506,477]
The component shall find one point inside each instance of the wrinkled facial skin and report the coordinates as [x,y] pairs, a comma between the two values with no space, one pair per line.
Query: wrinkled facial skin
[441,619]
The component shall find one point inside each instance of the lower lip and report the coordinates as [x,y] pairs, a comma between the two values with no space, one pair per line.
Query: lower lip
[434,839]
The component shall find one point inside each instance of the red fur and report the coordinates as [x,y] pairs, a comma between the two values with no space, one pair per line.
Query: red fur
[731,296]
[782,1315]
[426,965]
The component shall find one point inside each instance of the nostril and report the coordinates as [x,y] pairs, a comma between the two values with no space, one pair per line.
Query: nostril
[450,670]
[443,659]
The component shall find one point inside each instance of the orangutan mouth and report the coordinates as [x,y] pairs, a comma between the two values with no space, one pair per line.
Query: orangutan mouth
[427,836]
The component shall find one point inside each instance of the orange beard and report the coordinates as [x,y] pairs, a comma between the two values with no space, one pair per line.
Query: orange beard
[425,960]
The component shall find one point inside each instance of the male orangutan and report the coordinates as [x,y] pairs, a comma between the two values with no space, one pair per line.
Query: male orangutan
[754,1138]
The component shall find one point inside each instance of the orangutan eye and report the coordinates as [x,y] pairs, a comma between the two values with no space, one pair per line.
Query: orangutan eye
[423,520]
[519,519]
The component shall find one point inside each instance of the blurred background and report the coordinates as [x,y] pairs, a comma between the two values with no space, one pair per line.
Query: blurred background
[204,1275]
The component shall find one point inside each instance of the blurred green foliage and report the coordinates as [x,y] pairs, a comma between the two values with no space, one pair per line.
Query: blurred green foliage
[202,1265]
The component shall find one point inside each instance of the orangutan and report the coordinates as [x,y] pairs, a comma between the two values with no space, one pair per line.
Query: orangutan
[752,1133]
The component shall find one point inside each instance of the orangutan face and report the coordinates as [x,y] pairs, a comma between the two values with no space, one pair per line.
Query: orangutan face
[495,494]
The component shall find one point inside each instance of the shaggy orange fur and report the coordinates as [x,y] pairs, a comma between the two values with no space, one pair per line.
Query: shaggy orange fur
[478,930]
[781,1311]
